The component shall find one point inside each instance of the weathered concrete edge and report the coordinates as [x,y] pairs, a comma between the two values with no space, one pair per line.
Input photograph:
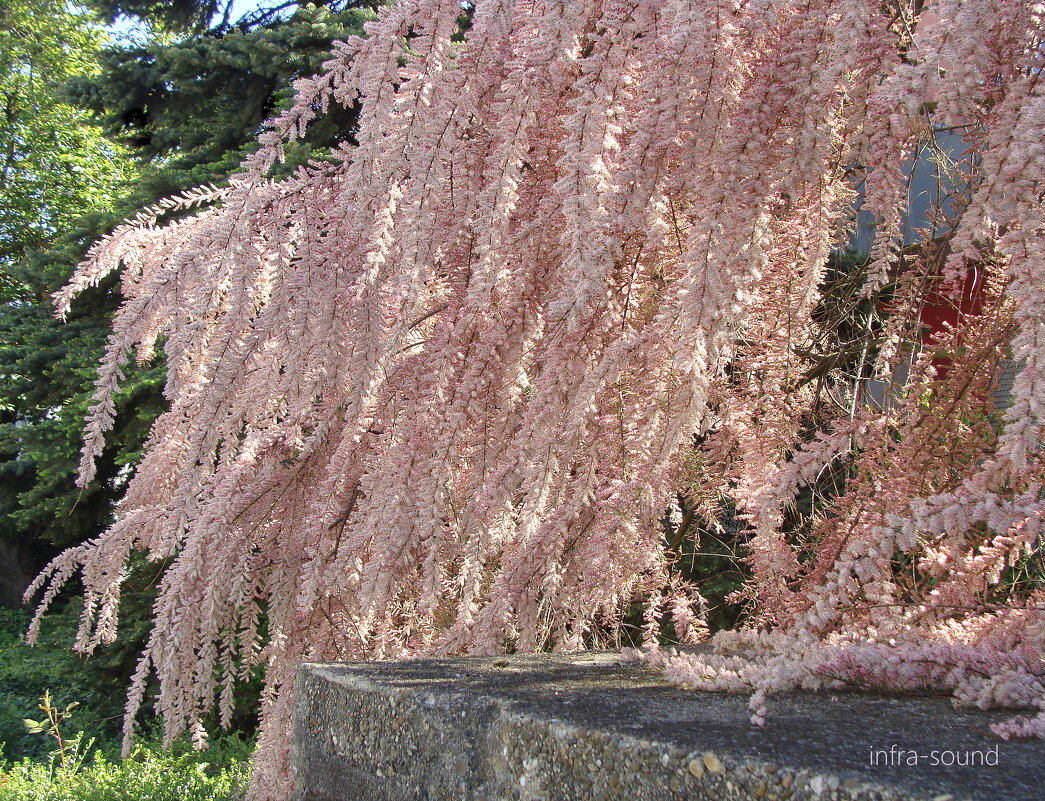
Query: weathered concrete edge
[715,776]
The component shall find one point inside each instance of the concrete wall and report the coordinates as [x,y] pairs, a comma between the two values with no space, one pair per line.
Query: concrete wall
[586,728]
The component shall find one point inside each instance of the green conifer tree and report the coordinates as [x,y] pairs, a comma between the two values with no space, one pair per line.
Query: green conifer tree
[177,109]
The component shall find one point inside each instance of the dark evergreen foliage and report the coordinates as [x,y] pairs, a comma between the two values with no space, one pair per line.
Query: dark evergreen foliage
[188,105]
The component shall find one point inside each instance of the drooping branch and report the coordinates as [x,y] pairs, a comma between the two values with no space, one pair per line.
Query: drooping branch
[433,394]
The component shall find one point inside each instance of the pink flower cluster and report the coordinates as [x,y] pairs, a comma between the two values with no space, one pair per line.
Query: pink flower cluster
[433,394]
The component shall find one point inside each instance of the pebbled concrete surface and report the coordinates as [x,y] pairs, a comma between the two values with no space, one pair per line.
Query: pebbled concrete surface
[586,728]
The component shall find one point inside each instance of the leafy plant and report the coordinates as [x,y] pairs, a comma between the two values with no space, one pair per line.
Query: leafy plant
[150,773]
[70,750]
[27,672]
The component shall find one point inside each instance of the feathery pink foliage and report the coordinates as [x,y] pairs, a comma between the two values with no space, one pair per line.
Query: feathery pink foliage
[432,395]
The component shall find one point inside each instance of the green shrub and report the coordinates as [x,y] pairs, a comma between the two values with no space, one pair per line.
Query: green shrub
[59,726]
[149,774]
[26,673]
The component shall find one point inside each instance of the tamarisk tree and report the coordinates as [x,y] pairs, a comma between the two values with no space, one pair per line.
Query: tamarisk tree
[433,394]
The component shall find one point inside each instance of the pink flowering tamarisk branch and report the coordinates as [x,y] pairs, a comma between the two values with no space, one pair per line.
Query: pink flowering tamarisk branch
[433,394]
